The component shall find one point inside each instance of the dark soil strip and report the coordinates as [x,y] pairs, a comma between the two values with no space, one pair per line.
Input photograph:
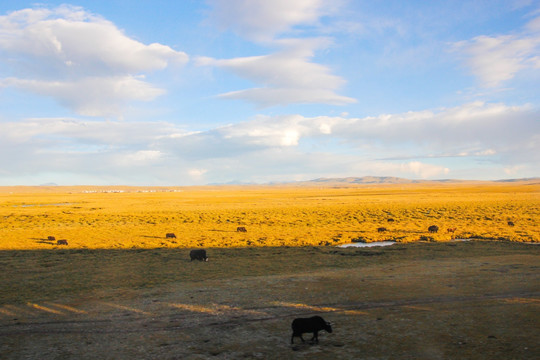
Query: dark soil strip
[143,325]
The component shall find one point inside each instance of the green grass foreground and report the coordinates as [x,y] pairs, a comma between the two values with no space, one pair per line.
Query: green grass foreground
[473,300]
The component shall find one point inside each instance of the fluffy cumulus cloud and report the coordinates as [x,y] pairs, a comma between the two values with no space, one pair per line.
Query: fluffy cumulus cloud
[497,59]
[83,61]
[492,136]
[289,75]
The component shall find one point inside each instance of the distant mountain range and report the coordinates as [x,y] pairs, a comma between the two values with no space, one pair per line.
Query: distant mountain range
[367,180]
[532,180]
[397,180]
[364,180]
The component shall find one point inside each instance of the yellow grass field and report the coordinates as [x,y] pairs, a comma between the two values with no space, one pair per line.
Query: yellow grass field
[139,217]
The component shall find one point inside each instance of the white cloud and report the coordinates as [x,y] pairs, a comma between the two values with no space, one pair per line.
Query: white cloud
[138,158]
[289,67]
[496,59]
[197,173]
[262,20]
[266,97]
[85,41]
[449,130]
[471,130]
[278,131]
[95,66]
[500,133]
[424,170]
[513,170]
[59,134]
[288,76]
[275,148]
[93,96]
[487,152]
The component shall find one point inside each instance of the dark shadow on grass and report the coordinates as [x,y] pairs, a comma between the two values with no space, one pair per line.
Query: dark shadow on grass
[55,273]
[43,241]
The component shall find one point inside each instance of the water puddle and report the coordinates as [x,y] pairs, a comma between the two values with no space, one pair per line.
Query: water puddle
[371,244]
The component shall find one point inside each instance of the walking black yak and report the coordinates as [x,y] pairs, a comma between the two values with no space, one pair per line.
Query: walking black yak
[313,325]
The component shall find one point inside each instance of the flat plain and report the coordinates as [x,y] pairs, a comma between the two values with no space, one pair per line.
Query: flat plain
[130,217]
[121,290]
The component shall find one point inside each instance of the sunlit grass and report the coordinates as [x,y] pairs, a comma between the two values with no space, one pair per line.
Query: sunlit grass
[273,216]
[320,308]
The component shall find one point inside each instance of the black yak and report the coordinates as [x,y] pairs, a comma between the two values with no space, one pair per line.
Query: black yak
[313,325]
[198,255]
[433,228]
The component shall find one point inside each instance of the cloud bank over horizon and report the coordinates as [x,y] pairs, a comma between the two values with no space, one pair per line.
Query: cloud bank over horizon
[371,145]
[268,91]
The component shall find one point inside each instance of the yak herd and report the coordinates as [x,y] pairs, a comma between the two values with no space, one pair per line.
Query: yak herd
[299,326]
[432,229]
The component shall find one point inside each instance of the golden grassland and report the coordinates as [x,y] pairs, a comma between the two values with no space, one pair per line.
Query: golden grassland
[139,217]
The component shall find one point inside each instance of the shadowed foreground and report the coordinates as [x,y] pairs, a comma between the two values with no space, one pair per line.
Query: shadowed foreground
[474,300]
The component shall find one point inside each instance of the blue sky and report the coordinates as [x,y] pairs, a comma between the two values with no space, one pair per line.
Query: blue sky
[198,92]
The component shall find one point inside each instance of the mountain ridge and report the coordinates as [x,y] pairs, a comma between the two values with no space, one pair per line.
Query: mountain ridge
[367,180]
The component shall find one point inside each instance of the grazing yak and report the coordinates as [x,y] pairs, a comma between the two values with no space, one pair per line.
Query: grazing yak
[198,255]
[241,229]
[451,230]
[433,228]
[170,236]
[313,325]
[61,242]
[510,223]
[51,238]
[381,229]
